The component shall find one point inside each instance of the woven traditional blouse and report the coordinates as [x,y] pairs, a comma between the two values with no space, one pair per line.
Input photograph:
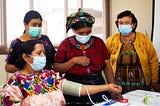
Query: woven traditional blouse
[36,89]
[94,49]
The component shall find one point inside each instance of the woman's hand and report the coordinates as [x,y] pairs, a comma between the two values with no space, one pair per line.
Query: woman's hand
[81,60]
[116,96]
[115,91]
[156,87]
[114,88]
[64,67]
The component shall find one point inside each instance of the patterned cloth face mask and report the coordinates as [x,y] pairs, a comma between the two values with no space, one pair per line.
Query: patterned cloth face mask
[38,63]
[83,39]
[34,31]
[125,29]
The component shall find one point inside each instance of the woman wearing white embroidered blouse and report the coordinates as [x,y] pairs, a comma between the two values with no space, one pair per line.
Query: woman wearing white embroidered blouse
[33,85]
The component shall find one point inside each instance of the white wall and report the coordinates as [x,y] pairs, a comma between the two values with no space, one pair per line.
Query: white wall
[142,9]
[3,75]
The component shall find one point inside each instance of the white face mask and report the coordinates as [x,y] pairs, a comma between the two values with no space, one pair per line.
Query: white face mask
[83,39]
[38,63]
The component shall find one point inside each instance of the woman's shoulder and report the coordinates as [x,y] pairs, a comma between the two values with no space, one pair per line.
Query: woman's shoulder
[15,42]
[141,35]
[96,39]
[44,37]
[113,37]
[13,79]
[68,39]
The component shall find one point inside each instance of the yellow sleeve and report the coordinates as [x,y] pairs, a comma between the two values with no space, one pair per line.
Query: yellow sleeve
[152,60]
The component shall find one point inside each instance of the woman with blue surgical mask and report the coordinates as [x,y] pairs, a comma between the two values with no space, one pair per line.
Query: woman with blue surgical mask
[83,57]
[33,85]
[33,31]
[132,56]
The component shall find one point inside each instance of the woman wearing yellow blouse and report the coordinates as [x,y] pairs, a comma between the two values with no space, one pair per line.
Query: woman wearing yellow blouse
[132,55]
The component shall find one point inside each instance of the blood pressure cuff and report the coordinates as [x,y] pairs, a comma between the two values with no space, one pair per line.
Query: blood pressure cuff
[71,88]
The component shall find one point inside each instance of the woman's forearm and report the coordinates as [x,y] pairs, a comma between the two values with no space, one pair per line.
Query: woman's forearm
[93,89]
[109,72]
[77,89]
[63,67]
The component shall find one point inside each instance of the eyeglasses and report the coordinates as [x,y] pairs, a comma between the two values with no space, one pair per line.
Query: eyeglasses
[82,33]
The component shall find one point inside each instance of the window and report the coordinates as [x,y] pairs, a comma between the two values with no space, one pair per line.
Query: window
[15,14]
[54,15]
[53,18]
[2,27]
[96,9]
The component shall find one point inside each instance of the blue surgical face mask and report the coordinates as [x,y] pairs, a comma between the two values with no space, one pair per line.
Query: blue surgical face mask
[125,29]
[39,63]
[83,39]
[34,31]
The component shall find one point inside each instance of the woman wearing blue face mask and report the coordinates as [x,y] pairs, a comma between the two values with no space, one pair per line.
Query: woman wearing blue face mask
[33,26]
[133,56]
[33,85]
[83,57]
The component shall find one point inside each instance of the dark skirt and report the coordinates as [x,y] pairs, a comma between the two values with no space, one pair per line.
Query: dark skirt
[93,79]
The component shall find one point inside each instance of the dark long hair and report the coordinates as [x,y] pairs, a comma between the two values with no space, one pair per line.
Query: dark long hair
[27,48]
[31,15]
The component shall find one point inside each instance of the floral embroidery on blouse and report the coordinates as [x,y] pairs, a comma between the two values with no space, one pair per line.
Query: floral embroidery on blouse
[81,46]
[33,84]
[127,46]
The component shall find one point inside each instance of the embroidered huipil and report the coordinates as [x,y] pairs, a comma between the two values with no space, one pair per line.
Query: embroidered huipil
[95,50]
[36,89]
